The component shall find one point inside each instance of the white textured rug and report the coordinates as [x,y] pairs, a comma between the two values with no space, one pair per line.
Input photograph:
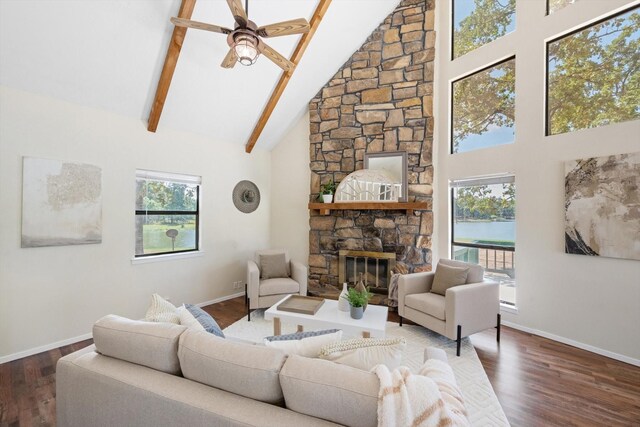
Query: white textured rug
[482,404]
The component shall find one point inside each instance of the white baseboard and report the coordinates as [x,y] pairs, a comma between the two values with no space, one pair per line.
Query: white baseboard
[228,297]
[42,348]
[592,349]
[51,346]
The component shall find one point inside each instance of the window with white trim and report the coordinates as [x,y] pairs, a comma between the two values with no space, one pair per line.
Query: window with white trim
[167,213]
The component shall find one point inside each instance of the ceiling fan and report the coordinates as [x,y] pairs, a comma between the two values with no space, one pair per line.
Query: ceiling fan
[245,40]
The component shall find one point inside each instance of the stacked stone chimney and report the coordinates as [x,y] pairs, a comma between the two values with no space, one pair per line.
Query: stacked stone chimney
[380,100]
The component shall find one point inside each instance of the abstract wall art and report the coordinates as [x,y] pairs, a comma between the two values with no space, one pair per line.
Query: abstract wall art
[602,206]
[61,203]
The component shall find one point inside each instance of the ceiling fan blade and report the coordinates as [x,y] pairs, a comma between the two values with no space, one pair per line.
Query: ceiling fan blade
[274,56]
[181,22]
[230,59]
[238,12]
[294,26]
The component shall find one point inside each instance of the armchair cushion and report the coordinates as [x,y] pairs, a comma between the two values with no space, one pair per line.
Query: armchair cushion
[447,277]
[273,266]
[280,285]
[476,271]
[429,303]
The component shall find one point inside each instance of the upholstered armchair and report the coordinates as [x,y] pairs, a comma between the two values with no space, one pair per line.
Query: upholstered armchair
[263,290]
[463,310]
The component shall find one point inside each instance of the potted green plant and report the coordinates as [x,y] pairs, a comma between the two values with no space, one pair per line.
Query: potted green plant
[357,300]
[327,190]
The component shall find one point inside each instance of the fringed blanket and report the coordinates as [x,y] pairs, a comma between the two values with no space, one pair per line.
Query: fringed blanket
[430,398]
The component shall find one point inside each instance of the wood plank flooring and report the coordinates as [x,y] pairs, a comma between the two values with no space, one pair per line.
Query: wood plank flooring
[539,382]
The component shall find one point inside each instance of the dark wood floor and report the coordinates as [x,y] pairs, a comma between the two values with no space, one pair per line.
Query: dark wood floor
[539,382]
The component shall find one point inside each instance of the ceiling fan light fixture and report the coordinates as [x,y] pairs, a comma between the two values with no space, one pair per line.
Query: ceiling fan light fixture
[246,48]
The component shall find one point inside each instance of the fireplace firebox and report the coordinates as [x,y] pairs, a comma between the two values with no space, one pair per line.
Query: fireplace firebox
[375,267]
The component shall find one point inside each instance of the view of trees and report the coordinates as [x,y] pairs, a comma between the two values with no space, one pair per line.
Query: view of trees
[594,75]
[488,20]
[151,229]
[166,196]
[483,101]
[555,5]
[485,202]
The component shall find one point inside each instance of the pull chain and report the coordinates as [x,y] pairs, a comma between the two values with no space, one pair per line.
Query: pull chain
[246,7]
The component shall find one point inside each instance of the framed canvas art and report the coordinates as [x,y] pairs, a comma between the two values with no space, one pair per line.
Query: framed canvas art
[61,203]
[602,206]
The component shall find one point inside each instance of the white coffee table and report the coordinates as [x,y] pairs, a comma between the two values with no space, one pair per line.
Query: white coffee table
[372,324]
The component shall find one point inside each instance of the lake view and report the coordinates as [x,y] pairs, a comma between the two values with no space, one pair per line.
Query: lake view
[486,230]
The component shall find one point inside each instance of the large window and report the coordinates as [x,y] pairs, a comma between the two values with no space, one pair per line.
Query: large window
[484,229]
[594,75]
[478,22]
[483,107]
[167,208]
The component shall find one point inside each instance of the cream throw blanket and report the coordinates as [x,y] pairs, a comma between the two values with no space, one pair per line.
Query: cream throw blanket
[430,398]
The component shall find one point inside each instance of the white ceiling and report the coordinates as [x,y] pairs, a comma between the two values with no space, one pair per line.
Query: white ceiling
[109,54]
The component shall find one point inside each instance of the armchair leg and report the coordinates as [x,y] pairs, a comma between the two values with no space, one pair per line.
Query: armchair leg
[246,295]
[248,310]
[400,320]
[458,340]
[498,328]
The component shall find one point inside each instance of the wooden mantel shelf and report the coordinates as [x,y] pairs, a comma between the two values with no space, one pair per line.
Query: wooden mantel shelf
[409,207]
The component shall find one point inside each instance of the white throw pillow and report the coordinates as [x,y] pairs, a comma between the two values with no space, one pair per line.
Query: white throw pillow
[307,347]
[187,319]
[161,310]
[366,353]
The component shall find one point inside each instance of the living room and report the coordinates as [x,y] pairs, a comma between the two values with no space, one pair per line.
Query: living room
[123,96]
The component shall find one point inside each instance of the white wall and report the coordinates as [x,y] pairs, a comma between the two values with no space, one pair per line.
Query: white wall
[589,302]
[56,293]
[290,191]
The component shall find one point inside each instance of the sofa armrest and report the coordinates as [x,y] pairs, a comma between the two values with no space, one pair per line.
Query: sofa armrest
[253,281]
[415,283]
[474,306]
[299,274]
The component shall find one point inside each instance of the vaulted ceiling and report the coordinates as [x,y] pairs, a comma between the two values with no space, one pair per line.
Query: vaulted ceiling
[109,54]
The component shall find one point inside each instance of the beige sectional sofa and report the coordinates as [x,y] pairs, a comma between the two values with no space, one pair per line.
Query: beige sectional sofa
[161,374]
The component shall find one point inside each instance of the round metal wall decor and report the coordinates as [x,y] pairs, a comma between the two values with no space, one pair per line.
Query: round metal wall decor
[246,196]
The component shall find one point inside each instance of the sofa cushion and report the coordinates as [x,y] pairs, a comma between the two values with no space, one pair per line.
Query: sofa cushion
[447,277]
[273,266]
[161,310]
[150,344]
[280,285]
[366,353]
[306,344]
[330,391]
[248,370]
[428,303]
[476,271]
[195,318]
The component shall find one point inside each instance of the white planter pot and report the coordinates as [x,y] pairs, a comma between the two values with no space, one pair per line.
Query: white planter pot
[327,198]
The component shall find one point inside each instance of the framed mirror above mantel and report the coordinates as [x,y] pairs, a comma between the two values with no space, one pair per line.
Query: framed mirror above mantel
[394,163]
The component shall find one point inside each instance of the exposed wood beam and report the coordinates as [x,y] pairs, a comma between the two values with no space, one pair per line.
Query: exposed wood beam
[170,61]
[322,7]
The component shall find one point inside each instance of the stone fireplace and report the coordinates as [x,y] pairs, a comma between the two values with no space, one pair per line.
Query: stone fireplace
[380,100]
[375,267]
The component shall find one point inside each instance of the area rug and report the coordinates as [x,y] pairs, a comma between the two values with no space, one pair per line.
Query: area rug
[481,401]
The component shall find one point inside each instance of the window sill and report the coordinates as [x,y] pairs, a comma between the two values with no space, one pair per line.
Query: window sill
[508,308]
[165,257]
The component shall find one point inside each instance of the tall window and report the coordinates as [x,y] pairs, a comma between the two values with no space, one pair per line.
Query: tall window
[478,22]
[483,108]
[484,229]
[167,213]
[594,75]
